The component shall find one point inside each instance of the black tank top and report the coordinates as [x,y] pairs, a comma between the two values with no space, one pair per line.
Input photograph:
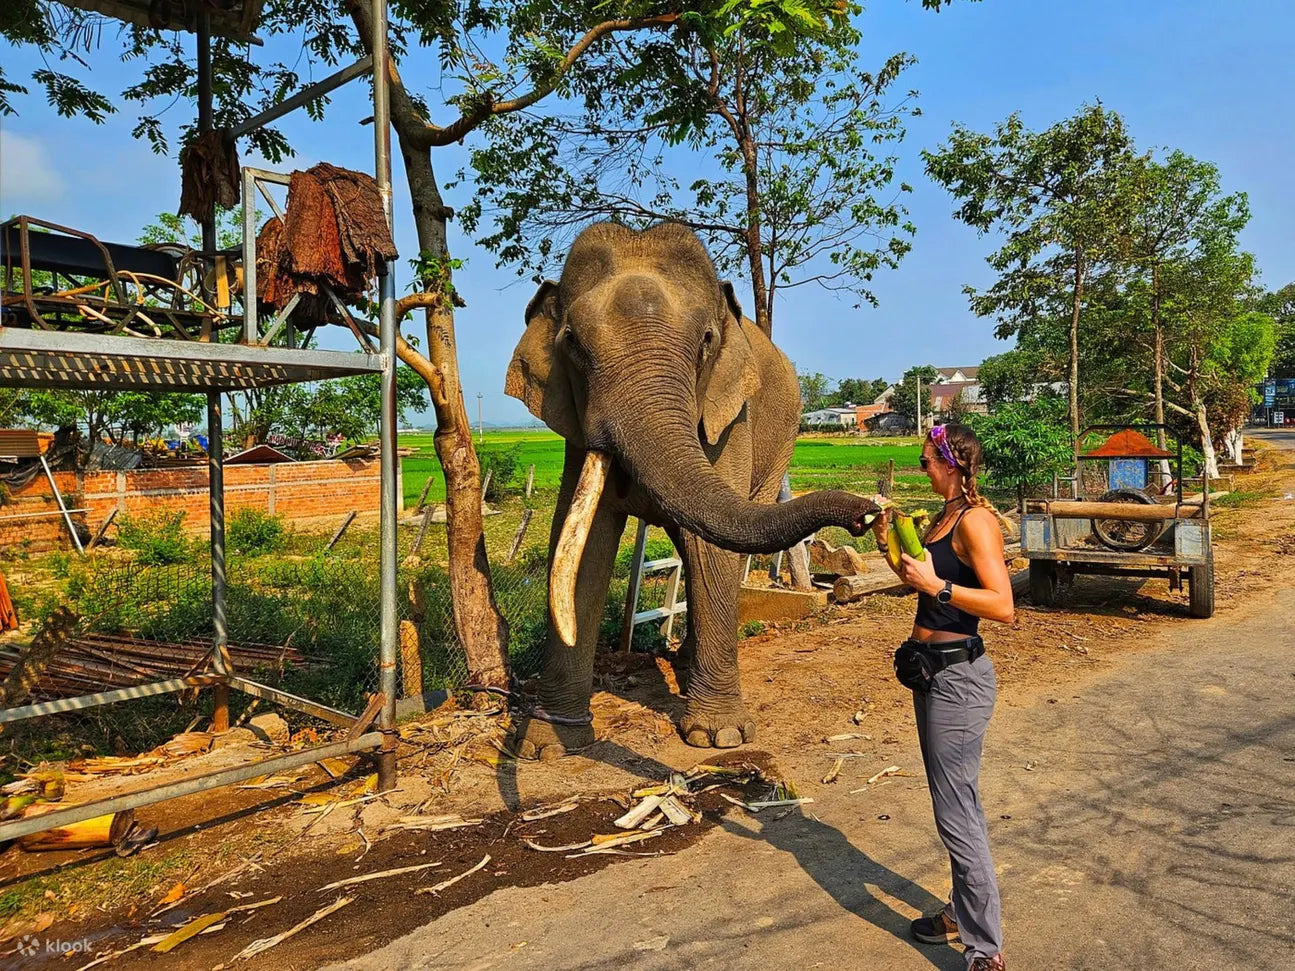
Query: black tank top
[934,615]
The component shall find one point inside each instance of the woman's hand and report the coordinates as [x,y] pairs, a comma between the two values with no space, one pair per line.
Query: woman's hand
[881,526]
[920,574]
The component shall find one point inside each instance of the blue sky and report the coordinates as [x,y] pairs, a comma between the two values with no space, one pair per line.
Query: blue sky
[1212,79]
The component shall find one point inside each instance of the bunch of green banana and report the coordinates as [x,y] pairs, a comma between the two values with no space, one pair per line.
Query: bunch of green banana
[902,537]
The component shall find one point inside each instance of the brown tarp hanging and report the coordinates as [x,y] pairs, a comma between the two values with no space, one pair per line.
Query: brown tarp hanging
[334,233]
[209,175]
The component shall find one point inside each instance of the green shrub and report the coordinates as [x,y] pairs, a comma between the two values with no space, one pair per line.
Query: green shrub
[254,533]
[157,539]
[502,465]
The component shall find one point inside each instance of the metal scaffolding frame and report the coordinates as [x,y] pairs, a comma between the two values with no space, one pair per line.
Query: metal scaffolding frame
[38,358]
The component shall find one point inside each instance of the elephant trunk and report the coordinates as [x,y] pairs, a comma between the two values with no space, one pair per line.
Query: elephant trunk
[668,461]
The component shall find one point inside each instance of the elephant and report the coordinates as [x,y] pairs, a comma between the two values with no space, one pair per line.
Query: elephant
[677,409]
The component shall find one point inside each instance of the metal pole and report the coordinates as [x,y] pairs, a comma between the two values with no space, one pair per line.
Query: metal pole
[215,422]
[632,591]
[219,619]
[918,377]
[58,497]
[387,336]
[481,427]
[182,787]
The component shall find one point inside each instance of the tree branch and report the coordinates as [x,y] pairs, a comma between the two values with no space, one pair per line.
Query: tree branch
[469,120]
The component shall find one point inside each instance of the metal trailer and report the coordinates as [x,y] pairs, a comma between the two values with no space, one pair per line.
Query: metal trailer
[41,352]
[1062,537]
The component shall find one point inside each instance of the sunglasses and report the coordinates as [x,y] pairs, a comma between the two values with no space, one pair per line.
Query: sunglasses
[924,462]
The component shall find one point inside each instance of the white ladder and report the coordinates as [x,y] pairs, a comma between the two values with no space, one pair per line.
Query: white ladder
[673,605]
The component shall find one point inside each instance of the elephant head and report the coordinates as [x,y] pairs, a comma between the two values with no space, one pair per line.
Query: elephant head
[640,356]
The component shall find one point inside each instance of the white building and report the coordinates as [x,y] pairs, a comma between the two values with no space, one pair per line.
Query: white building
[846,417]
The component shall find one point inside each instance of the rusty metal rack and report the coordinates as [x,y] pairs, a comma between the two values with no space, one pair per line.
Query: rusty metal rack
[137,326]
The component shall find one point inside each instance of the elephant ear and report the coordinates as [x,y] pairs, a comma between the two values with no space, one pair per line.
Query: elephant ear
[537,376]
[734,378]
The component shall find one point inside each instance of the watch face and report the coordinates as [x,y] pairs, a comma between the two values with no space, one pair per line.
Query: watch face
[945,595]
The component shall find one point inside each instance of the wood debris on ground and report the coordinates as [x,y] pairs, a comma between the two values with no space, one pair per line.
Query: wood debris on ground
[264,944]
[446,884]
[431,824]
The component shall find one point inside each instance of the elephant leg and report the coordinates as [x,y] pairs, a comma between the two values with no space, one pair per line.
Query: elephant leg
[566,681]
[715,714]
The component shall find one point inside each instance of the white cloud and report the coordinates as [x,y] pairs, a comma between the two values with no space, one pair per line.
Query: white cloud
[27,173]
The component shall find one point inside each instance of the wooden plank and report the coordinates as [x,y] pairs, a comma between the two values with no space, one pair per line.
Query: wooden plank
[1132,511]
[350,518]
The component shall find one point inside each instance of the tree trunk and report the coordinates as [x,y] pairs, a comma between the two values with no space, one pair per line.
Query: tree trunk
[759,287]
[480,627]
[1074,343]
[1211,469]
[1158,328]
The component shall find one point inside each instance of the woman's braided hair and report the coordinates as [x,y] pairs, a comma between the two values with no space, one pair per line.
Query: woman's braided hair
[965,446]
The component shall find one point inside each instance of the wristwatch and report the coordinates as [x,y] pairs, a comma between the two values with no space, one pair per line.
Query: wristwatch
[946,595]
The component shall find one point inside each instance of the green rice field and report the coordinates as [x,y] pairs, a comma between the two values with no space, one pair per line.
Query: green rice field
[818,463]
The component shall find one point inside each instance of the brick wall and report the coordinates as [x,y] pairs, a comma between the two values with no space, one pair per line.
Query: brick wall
[295,490]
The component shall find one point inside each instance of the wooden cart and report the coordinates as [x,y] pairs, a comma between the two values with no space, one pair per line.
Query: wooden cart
[1135,527]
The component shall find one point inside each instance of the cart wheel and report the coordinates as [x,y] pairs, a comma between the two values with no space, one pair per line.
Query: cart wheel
[1201,583]
[1043,583]
[1127,535]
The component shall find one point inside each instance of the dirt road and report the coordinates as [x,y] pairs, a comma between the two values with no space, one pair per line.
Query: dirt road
[1138,779]
[1153,829]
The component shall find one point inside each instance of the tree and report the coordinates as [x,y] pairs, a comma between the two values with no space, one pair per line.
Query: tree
[857,391]
[793,193]
[1025,443]
[814,390]
[1012,375]
[1178,210]
[904,399]
[120,416]
[1061,196]
[496,59]
[1214,348]
[1280,305]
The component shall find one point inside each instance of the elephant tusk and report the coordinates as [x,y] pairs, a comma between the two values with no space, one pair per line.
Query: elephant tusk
[571,544]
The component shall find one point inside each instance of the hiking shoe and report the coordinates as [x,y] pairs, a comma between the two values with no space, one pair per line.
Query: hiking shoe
[937,928]
[996,963]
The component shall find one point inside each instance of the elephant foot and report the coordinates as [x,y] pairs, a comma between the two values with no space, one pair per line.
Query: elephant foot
[717,727]
[536,739]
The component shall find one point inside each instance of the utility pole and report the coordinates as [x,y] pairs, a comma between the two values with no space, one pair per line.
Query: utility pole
[919,403]
[481,428]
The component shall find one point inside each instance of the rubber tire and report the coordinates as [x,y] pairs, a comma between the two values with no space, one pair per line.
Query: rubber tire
[1126,495]
[1043,583]
[1200,582]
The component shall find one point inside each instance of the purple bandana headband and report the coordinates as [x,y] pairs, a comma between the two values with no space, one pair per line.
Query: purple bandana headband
[941,439]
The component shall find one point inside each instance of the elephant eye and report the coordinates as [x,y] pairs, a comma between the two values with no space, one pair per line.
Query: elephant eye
[708,341]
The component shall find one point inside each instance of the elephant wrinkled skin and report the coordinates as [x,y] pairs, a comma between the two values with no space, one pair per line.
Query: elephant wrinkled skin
[676,409]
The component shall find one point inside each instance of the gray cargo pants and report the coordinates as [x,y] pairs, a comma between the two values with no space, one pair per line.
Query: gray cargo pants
[951,722]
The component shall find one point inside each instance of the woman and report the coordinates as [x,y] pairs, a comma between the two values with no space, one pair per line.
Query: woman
[962,579]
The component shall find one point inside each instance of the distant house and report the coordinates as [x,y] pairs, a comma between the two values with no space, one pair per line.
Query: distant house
[844,417]
[889,422]
[969,392]
[948,375]
[863,413]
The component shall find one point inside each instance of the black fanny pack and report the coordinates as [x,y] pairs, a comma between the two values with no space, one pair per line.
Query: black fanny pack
[917,664]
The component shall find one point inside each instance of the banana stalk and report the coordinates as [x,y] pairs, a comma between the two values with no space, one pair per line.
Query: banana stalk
[908,538]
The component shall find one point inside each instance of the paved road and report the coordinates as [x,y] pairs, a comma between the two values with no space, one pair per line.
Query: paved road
[1156,830]
[1280,437]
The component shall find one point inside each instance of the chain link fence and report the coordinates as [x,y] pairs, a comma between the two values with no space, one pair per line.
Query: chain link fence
[303,615]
